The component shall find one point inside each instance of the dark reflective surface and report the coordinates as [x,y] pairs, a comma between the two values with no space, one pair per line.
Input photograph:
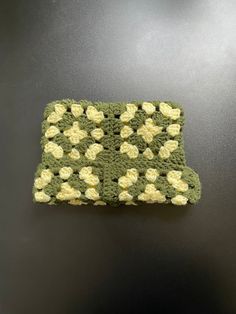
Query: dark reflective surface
[148,259]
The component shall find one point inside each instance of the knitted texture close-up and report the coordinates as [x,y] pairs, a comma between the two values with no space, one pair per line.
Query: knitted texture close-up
[114,153]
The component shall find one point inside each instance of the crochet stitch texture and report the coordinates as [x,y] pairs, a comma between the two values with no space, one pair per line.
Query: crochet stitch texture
[114,153]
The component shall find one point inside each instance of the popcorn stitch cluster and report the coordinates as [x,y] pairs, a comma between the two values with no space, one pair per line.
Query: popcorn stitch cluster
[114,153]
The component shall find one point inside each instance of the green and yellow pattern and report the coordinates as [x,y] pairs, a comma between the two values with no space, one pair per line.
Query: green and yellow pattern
[114,153]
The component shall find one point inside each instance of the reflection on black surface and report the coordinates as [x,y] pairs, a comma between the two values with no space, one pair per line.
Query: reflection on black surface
[169,285]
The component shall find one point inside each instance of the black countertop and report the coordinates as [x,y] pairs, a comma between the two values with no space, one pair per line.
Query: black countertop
[146,259]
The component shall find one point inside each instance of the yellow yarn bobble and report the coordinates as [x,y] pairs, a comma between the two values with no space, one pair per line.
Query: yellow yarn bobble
[179,200]
[51,131]
[77,202]
[93,150]
[149,130]
[54,149]
[39,183]
[152,195]
[60,109]
[84,172]
[124,182]
[92,180]
[131,108]
[89,178]
[67,192]
[169,112]
[56,115]
[151,174]
[42,197]
[92,194]
[125,196]
[65,172]
[126,131]
[148,107]
[129,179]
[129,113]
[174,178]
[132,174]
[129,149]
[44,179]
[75,134]
[173,129]
[97,134]
[46,175]
[126,116]
[148,154]
[77,110]
[74,154]
[164,153]
[169,147]
[94,115]
[180,186]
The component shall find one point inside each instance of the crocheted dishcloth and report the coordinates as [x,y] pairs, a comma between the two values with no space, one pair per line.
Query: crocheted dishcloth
[114,153]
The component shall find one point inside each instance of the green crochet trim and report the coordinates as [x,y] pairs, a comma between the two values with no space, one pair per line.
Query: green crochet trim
[114,153]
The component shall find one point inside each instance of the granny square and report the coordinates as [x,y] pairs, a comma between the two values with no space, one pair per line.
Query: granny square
[114,153]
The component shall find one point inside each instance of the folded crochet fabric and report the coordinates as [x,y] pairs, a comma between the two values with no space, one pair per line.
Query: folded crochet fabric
[114,153]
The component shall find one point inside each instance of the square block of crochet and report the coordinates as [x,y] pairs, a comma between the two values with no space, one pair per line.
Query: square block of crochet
[114,153]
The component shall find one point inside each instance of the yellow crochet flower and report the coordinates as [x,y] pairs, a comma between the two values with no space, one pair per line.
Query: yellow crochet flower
[67,192]
[129,113]
[125,182]
[94,115]
[54,149]
[174,178]
[126,131]
[173,129]
[93,150]
[77,110]
[151,174]
[125,196]
[129,149]
[148,107]
[65,172]
[149,130]
[97,133]
[148,154]
[89,178]
[74,154]
[169,147]
[152,195]
[92,194]
[42,197]
[169,112]
[132,174]
[51,131]
[75,134]
[179,200]
[45,178]
[56,115]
